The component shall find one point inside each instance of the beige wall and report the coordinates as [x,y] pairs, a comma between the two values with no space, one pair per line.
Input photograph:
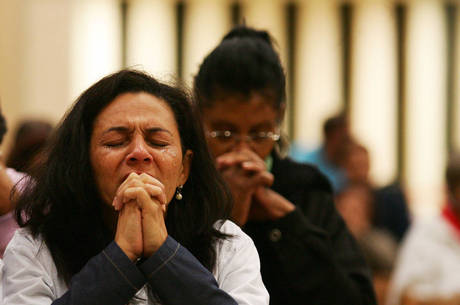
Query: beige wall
[34,61]
[51,50]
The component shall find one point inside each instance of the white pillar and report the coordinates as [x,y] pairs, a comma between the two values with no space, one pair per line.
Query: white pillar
[456,87]
[46,44]
[205,24]
[318,88]
[95,42]
[152,37]
[11,63]
[269,16]
[34,60]
[426,102]
[373,108]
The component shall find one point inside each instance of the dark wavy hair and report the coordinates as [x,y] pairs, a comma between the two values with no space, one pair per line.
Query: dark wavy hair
[63,205]
[244,62]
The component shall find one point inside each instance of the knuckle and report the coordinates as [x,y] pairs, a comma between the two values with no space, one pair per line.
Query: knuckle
[132,175]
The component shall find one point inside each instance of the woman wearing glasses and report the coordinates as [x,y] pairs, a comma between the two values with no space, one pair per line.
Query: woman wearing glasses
[307,255]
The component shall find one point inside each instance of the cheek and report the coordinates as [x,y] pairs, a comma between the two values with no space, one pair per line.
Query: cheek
[215,148]
[169,162]
[103,175]
[263,152]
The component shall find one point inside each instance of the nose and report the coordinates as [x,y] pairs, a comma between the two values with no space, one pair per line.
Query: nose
[139,152]
[243,142]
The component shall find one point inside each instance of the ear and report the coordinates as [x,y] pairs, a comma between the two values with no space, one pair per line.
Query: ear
[186,165]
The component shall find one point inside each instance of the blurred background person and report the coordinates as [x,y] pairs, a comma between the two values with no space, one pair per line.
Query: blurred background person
[428,265]
[356,205]
[8,178]
[29,139]
[389,206]
[327,157]
[307,254]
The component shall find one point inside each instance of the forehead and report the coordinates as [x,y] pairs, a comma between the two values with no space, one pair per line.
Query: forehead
[136,108]
[242,111]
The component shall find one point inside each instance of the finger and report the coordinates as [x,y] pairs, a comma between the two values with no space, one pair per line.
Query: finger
[265,178]
[142,197]
[129,230]
[156,188]
[253,166]
[236,157]
[250,165]
[146,178]
[132,194]
[117,203]
[149,205]
[156,192]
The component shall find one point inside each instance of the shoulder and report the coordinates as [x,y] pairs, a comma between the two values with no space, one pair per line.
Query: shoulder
[233,231]
[235,242]
[18,178]
[29,270]
[14,175]
[428,232]
[25,249]
[427,261]
[427,240]
[22,238]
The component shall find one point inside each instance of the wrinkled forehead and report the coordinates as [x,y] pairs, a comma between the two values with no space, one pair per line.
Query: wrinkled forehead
[136,109]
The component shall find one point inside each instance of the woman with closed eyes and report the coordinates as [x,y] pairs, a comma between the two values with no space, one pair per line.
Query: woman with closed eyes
[128,208]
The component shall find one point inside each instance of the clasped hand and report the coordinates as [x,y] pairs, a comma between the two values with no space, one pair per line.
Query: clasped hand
[246,174]
[141,202]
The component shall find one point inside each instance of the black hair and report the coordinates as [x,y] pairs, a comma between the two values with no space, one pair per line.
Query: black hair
[334,123]
[453,172]
[3,128]
[245,62]
[63,204]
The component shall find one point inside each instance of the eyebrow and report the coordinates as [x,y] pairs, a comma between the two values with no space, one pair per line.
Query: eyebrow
[123,129]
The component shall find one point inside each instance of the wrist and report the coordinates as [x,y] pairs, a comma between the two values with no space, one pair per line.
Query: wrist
[130,254]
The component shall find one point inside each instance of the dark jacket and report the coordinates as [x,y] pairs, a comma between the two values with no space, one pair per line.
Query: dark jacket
[172,272]
[309,256]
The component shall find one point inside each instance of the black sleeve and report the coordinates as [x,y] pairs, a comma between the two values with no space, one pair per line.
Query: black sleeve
[173,273]
[177,277]
[325,265]
[108,278]
[309,256]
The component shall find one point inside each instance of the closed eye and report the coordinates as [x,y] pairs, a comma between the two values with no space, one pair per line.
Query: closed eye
[158,143]
[114,144]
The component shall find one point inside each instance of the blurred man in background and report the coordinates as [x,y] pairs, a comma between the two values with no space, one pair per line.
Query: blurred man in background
[327,156]
[428,267]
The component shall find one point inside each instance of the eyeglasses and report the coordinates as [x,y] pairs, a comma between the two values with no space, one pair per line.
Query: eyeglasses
[227,136]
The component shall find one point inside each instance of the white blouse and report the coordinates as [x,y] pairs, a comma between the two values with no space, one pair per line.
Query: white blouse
[428,264]
[30,275]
